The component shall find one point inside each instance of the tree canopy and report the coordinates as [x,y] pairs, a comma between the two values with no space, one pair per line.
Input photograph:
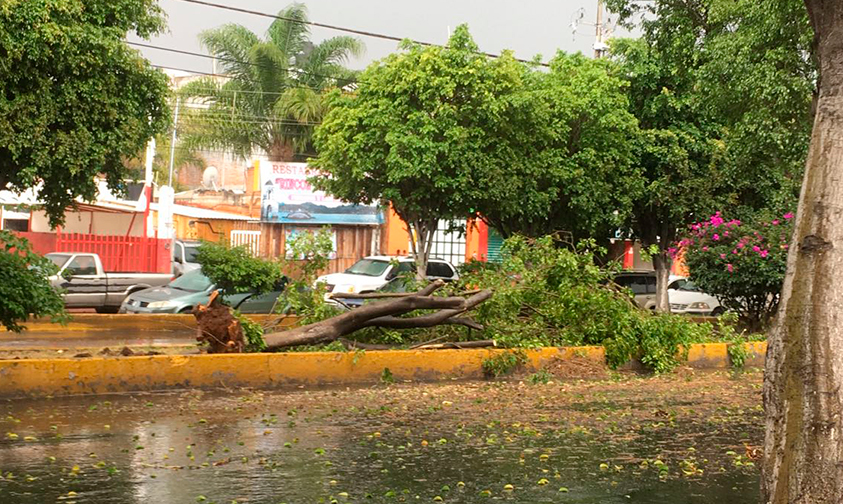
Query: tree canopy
[270,97]
[76,99]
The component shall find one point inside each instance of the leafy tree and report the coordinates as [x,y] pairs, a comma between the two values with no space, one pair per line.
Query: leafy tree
[76,99]
[722,91]
[563,156]
[742,264]
[426,127]
[271,97]
[25,289]
[235,270]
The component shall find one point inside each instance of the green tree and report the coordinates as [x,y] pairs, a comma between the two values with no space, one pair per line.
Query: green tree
[563,156]
[76,102]
[272,95]
[76,99]
[425,132]
[722,91]
[235,270]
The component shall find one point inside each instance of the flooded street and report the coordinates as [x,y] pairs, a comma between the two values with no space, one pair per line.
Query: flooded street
[685,438]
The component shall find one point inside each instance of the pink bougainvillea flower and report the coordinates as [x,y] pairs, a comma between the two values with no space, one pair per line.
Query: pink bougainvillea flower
[735,251]
[775,222]
[705,249]
[741,244]
[785,246]
[725,233]
[730,268]
[764,253]
[756,248]
[715,237]
[716,220]
[788,215]
[722,256]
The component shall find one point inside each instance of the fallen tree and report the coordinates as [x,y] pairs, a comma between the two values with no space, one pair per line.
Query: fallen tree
[223,333]
[386,314]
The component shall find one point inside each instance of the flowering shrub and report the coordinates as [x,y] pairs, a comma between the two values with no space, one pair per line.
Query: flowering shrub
[742,264]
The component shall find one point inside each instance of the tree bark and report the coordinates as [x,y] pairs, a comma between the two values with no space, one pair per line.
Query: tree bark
[661,263]
[382,314]
[803,446]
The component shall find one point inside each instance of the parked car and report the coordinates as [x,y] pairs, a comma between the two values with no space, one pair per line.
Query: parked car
[686,298]
[372,272]
[190,289]
[184,257]
[87,285]
[643,286]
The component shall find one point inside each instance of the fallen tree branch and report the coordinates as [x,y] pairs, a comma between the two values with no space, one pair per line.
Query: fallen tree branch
[433,319]
[459,345]
[346,323]
[428,290]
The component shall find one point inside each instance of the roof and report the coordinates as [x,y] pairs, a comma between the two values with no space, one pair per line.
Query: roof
[399,258]
[204,213]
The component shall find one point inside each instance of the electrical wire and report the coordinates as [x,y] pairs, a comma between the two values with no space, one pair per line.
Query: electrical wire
[338,28]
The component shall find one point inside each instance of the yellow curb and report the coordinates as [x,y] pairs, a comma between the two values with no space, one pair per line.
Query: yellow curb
[98,375]
[92,322]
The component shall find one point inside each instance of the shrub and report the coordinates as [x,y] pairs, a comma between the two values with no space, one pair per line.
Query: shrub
[547,294]
[25,289]
[235,270]
[742,264]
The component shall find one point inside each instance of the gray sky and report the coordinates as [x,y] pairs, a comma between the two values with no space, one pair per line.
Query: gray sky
[528,27]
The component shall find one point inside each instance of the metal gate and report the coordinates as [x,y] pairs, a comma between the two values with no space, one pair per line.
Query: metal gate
[251,239]
[449,245]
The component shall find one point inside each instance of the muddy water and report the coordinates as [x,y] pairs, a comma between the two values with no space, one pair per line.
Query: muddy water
[389,445]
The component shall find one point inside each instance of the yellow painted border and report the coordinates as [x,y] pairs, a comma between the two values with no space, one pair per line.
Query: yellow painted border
[90,322]
[161,372]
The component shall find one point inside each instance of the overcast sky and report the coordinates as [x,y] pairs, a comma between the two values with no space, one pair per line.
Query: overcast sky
[528,27]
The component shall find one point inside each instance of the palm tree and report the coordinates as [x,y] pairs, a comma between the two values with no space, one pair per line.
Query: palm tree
[272,94]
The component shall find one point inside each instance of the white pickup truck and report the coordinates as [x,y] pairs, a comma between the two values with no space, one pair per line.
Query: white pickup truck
[87,285]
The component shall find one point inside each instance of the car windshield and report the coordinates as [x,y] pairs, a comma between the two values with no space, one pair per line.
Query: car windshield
[190,252]
[58,259]
[194,281]
[689,286]
[368,267]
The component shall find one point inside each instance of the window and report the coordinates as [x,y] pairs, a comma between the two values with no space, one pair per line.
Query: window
[438,269]
[82,265]
[58,259]
[194,281]
[677,284]
[651,284]
[638,284]
[368,267]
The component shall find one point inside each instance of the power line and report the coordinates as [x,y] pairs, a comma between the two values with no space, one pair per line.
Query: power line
[339,28]
[232,60]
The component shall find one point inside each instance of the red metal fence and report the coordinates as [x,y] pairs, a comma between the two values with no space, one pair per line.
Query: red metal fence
[118,253]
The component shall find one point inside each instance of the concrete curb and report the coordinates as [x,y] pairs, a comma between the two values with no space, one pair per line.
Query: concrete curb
[90,322]
[102,375]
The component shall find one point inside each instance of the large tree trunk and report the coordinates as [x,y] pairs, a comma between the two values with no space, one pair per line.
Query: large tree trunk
[661,263]
[803,447]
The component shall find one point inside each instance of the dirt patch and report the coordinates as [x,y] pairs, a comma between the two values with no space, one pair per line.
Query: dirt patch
[577,367]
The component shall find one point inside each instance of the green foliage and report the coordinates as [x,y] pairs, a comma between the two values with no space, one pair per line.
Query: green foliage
[253,332]
[547,294]
[274,96]
[386,377]
[76,99]
[722,90]
[25,289]
[742,264]
[542,376]
[504,363]
[235,270]
[308,254]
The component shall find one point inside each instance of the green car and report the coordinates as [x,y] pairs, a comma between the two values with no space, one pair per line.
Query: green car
[190,289]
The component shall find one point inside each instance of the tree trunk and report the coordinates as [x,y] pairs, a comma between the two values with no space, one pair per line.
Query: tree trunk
[661,263]
[803,447]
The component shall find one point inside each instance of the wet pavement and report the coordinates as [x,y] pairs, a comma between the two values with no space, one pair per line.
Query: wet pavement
[657,440]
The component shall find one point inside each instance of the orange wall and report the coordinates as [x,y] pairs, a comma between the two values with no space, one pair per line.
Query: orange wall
[397,237]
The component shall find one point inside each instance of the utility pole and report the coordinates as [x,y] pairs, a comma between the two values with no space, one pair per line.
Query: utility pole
[599,45]
[173,142]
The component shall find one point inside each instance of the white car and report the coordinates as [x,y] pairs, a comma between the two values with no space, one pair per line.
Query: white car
[687,299]
[373,272]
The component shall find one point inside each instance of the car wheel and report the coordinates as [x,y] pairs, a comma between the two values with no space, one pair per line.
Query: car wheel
[107,309]
[718,311]
[186,310]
